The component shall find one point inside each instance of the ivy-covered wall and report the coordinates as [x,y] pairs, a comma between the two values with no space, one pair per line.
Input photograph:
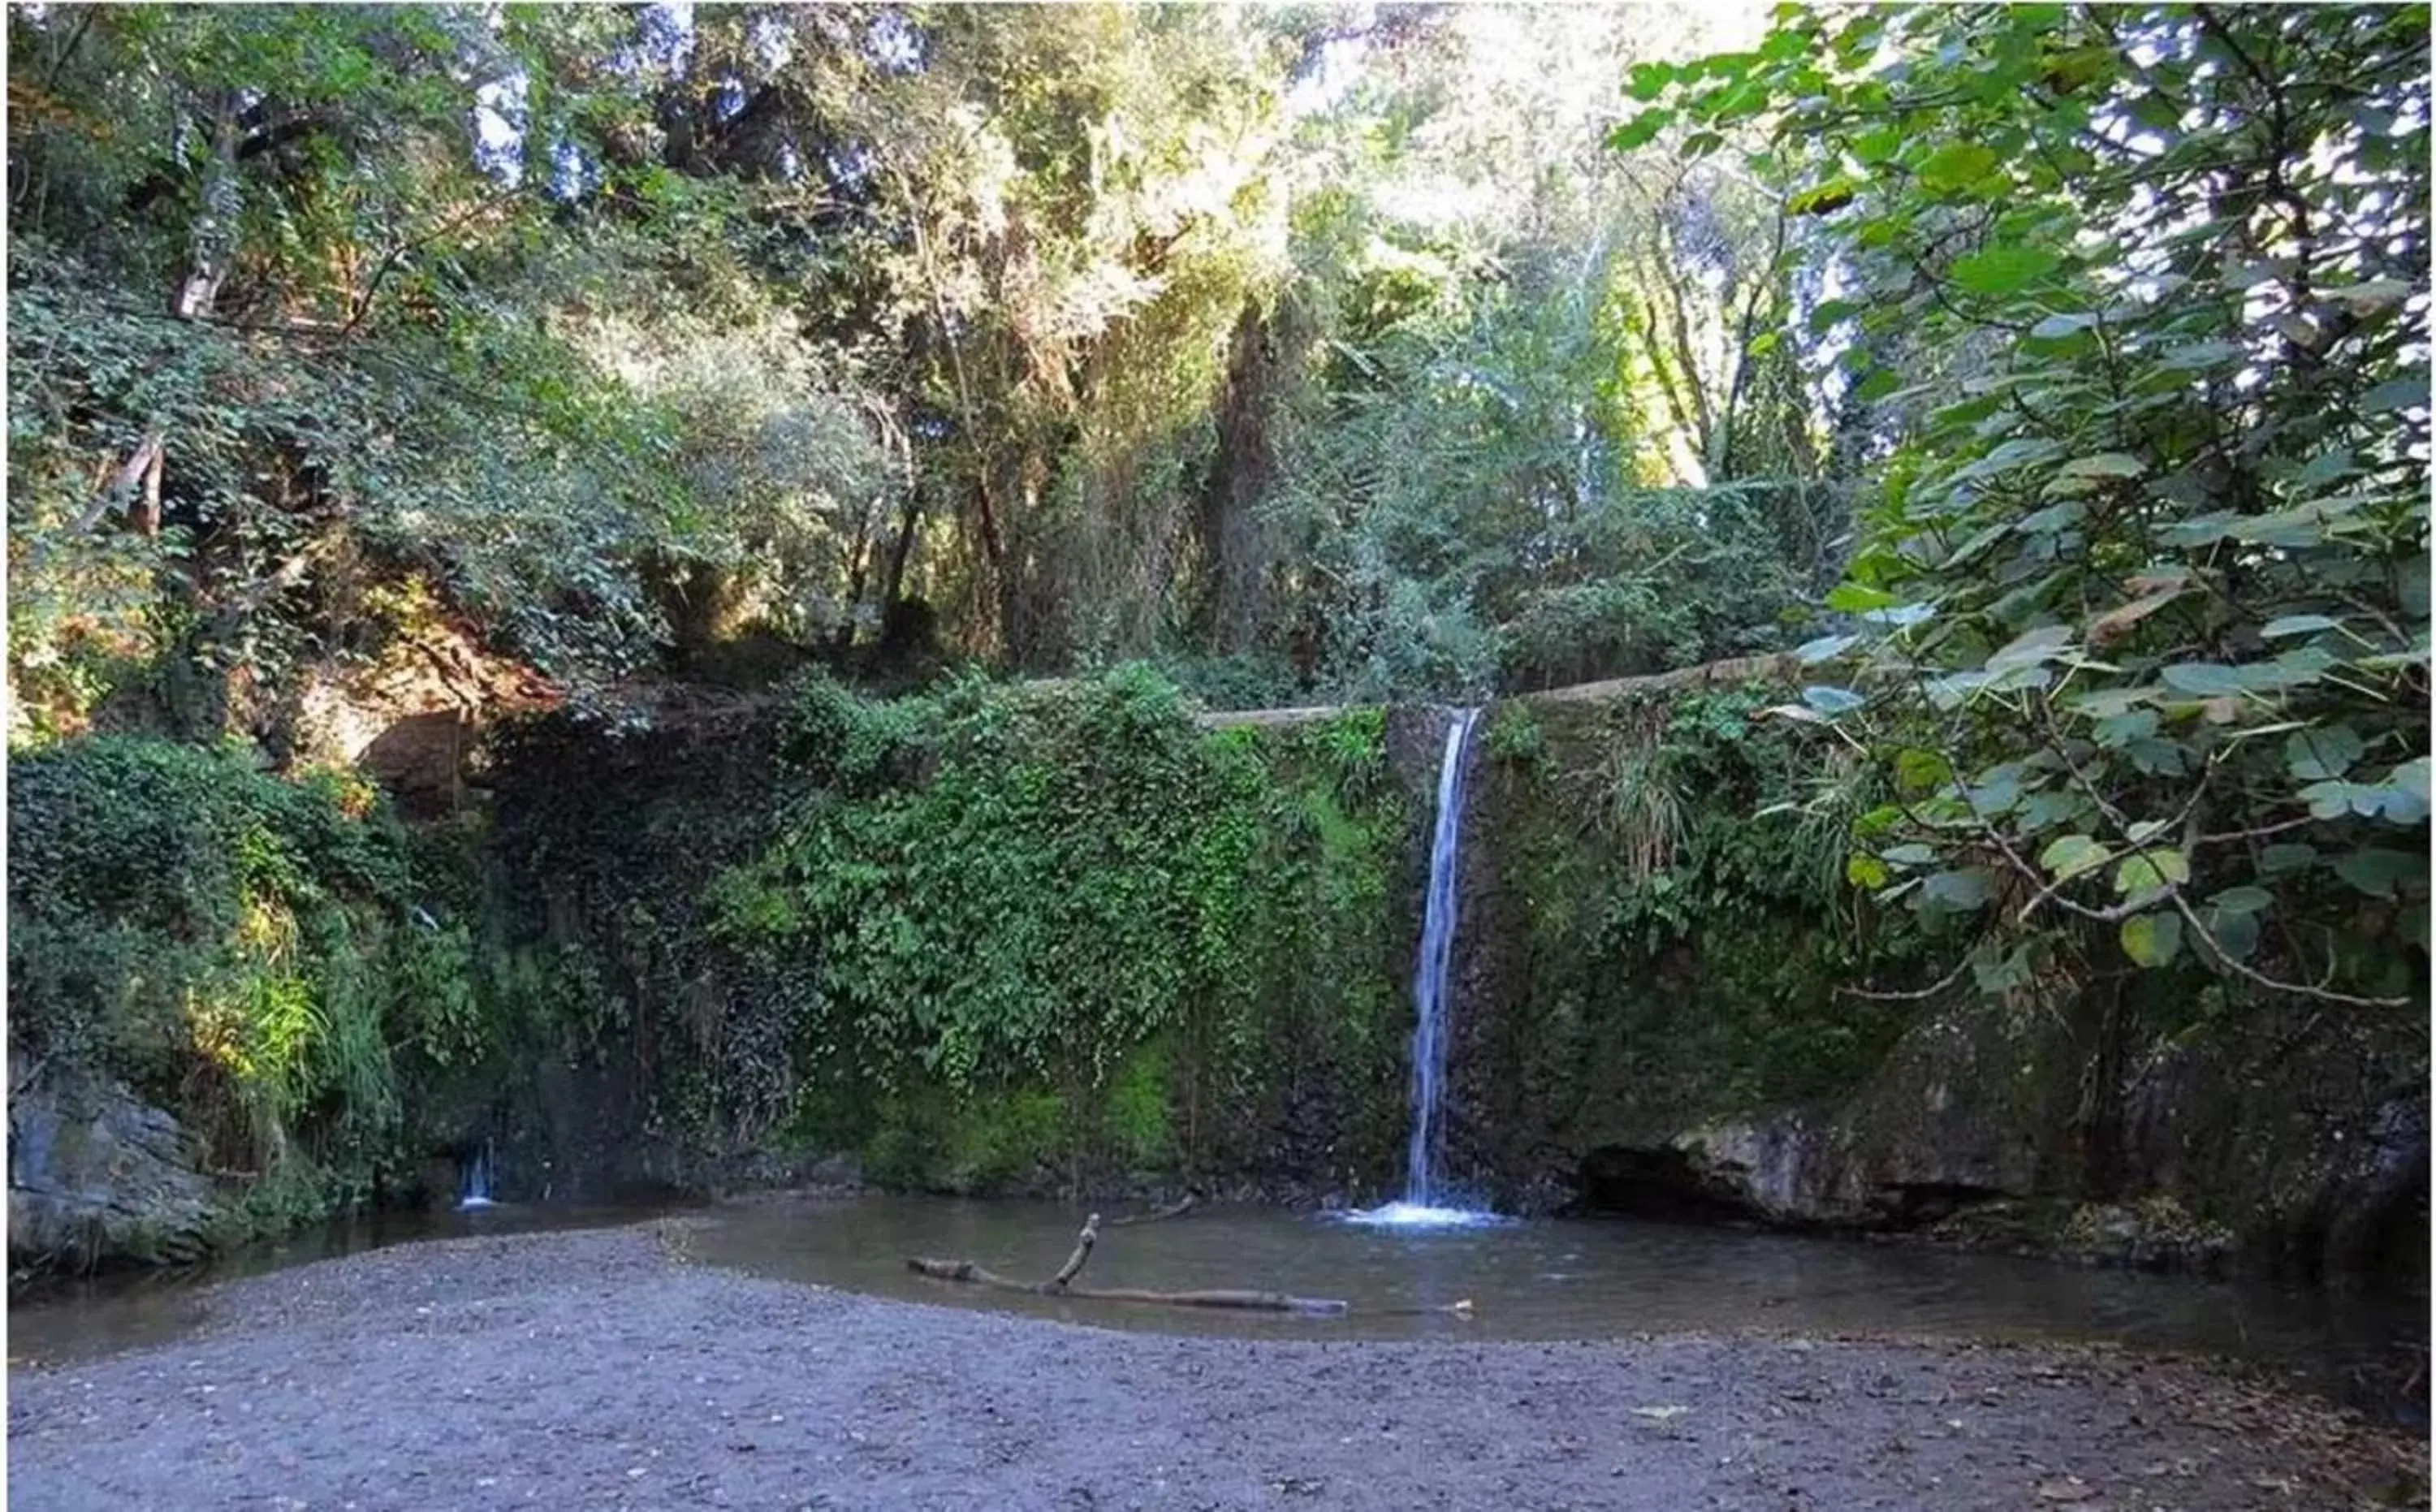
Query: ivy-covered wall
[999,936]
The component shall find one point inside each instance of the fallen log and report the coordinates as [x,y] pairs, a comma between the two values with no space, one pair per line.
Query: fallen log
[965,1271]
[972,1273]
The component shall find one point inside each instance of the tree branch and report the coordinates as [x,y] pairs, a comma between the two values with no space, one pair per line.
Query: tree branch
[2320,994]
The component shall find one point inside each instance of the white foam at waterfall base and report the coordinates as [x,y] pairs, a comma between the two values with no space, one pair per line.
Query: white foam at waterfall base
[1423,1206]
[1421,1215]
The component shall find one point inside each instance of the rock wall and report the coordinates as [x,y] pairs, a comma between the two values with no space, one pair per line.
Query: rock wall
[674,1058]
[1669,1038]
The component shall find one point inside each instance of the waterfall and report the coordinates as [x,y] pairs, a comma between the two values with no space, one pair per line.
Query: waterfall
[1429,978]
[473,1179]
[1419,1207]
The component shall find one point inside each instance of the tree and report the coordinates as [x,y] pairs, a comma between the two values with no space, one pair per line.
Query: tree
[2140,611]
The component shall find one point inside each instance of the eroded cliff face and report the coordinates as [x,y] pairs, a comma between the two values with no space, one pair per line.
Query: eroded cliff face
[1651,1020]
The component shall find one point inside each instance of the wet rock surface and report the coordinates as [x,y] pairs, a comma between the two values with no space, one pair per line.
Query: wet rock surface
[96,1174]
[601,1371]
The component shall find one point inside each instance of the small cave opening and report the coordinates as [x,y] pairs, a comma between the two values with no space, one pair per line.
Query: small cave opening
[1920,1204]
[1623,1181]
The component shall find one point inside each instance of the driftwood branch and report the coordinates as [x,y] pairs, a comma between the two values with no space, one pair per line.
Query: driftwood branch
[1174,1210]
[1082,1243]
[1061,1284]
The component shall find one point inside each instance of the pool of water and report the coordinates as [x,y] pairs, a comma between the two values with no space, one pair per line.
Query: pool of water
[1562,1278]
[1537,1280]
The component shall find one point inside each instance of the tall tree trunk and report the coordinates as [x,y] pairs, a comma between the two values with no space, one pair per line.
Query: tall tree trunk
[1234,548]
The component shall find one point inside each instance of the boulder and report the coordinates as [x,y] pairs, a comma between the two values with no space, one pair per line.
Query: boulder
[97,1176]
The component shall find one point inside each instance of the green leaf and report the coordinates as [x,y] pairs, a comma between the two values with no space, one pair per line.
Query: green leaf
[2105,464]
[1866,871]
[2122,729]
[1852,597]
[2031,648]
[1960,891]
[2313,755]
[1649,81]
[2055,517]
[1911,855]
[1918,771]
[2326,467]
[2056,327]
[2398,394]
[2334,799]
[2071,854]
[2289,857]
[2045,810]
[2153,939]
[2371,296]
[2378,872]
[2400,806]
[1998,971]
[1826,648]
[1832,700]
[2410,776]
[2201,355]
[2204,679]
[2296,625]
[2156,869]
[2003,270]
[1872,147]
[1640,130]
[2236,933]
[1957,165]
[2242,899]
[1823,198]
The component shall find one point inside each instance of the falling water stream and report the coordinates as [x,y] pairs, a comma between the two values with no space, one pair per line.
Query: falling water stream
[474,1180]
[1425,1202]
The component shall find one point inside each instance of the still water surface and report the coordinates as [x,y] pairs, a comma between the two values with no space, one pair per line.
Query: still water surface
[1543,1280]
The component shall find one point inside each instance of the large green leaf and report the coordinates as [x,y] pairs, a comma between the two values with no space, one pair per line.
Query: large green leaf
[2327,752]
[2378,872]
[2003,270]
[2071,854]
[2204,679]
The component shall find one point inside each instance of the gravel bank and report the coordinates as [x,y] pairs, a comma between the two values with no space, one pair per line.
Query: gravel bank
[599,1370]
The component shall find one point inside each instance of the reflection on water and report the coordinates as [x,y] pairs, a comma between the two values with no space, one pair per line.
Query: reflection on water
[1561,1280]
[1547,1280]
[56,1321]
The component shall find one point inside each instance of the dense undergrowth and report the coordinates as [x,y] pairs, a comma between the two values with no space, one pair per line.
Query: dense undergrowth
[1678,939]
[254,952]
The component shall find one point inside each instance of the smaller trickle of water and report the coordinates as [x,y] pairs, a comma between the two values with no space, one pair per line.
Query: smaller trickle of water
[474,1181]
[1423,1203]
